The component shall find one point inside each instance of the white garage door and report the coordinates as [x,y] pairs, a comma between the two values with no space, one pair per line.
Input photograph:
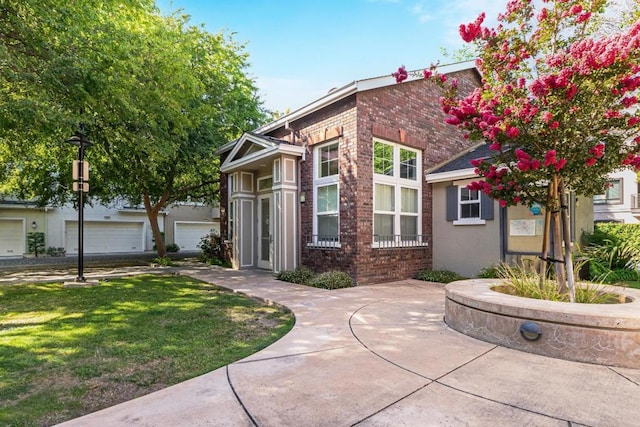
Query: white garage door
[105,237]
[12,237]
[189,234]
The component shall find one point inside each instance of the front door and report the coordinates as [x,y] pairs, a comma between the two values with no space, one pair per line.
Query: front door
[265,234]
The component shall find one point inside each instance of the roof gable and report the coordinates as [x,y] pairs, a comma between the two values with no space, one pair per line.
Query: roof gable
[251,147]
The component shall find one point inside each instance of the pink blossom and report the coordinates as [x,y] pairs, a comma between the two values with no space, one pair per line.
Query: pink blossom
[473,30]
[513,132]
[633,121]
[495,147]
[547,116]
[400,75]
[554,125]
[583,17]
[520,154]
[628,101]
[590,162]
[443,78]
[476,162]
[535,164]
[503,203]
[550,158]
[560,164]
[427,74]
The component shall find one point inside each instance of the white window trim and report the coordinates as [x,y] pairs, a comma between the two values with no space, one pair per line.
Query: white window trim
[398,183]
[324,182]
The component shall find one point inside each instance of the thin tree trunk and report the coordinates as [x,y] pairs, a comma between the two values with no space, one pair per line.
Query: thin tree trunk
[568,259]
[559,266]
[152,214]
[545,239]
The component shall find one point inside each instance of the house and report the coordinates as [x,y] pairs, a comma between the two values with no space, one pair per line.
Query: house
[620,203]
[339,184]
[107,229]
[471,231]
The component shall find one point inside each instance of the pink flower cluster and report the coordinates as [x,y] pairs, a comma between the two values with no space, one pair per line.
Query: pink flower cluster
[632,160]
[596,153]
[550,160]
[525,162]
[473,30]
[400,75]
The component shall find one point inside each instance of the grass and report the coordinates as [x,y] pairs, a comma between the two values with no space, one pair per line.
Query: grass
[635,285]
[68,352]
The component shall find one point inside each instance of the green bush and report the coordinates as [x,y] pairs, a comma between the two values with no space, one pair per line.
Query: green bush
[53,251]
[439,276]
[612,252]
[489,272]
[332,280]
[164,261]
[172,247]
[300,275]
[35,242]
[212,249]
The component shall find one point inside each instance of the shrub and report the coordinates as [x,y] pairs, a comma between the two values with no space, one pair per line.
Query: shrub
[332,280]
[53,251]
[439,276]
[300,275]
[527,284]
[212,249]
[172,247]
[489,272]
[35,242]
[164,261]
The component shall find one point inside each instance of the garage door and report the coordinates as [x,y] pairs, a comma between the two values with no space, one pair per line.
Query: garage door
[12,237]
[189,234]
[106,237]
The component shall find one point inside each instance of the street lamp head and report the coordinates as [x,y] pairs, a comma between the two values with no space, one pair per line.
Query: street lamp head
[79,139]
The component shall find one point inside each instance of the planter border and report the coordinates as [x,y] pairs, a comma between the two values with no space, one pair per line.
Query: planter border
[606,334]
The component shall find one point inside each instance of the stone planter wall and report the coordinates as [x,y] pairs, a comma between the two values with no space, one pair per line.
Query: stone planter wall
[606,334]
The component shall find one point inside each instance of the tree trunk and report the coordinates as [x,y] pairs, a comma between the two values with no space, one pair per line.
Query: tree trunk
[152,214]
[568,259]
[559,265]
[545,239]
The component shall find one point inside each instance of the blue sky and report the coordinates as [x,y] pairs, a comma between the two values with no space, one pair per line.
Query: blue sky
[299,50]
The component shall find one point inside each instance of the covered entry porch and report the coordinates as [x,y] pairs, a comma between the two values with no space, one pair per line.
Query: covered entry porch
[262,209]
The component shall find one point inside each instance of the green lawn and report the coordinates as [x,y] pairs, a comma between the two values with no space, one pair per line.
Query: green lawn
[68,352]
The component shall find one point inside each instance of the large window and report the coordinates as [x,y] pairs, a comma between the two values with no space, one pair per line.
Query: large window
[326,195]
[397,193]
[612,195]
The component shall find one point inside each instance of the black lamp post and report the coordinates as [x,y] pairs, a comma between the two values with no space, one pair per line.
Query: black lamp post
[81,185]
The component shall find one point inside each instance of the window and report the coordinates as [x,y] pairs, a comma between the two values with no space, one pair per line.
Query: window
[612,195]
[468,207]
[326,225]
[265,183]
[230,190]
[397,194]
[469,204]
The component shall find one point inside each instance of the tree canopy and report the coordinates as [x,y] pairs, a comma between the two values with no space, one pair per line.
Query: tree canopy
[557,105]
[155,94]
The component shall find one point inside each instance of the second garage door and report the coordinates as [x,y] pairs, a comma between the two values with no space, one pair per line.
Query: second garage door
[189,234]
[106,237]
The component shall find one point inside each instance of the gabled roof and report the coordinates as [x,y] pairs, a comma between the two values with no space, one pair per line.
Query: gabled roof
[343,92]
[251,147]
[459,167]
[354,87]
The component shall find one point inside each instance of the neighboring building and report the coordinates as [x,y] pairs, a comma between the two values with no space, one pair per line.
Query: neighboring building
[471,231]
[114,229]
[620,202]
[338,184]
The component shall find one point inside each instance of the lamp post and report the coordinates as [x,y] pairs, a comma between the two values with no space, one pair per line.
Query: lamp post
[81,185]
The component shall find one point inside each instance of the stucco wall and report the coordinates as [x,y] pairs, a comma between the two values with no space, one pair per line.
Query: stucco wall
[464,249]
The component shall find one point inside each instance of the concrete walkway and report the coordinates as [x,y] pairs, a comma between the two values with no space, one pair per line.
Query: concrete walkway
[380,356]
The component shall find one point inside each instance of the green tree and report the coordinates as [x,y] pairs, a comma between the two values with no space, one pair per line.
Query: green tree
[155,95]
[557,106]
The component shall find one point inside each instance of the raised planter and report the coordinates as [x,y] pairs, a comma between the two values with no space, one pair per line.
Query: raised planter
[605,334]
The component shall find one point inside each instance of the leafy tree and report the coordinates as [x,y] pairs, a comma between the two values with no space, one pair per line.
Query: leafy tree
[557,106]
[155,95]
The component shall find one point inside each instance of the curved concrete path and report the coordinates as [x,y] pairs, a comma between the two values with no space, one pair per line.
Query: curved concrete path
[380,356]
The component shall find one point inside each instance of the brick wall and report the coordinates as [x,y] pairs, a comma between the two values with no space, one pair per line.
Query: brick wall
[407,113]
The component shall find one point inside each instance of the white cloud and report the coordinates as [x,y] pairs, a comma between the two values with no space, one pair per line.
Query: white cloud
[419,11]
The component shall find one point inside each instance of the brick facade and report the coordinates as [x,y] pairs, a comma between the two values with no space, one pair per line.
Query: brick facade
[408,114]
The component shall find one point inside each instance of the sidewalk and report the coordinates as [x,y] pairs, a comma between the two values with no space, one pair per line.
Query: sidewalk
[379,356]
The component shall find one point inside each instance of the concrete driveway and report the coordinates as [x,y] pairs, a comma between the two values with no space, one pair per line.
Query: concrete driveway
[380,356]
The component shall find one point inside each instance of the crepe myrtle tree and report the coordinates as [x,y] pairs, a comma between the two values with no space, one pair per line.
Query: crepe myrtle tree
[557,106]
